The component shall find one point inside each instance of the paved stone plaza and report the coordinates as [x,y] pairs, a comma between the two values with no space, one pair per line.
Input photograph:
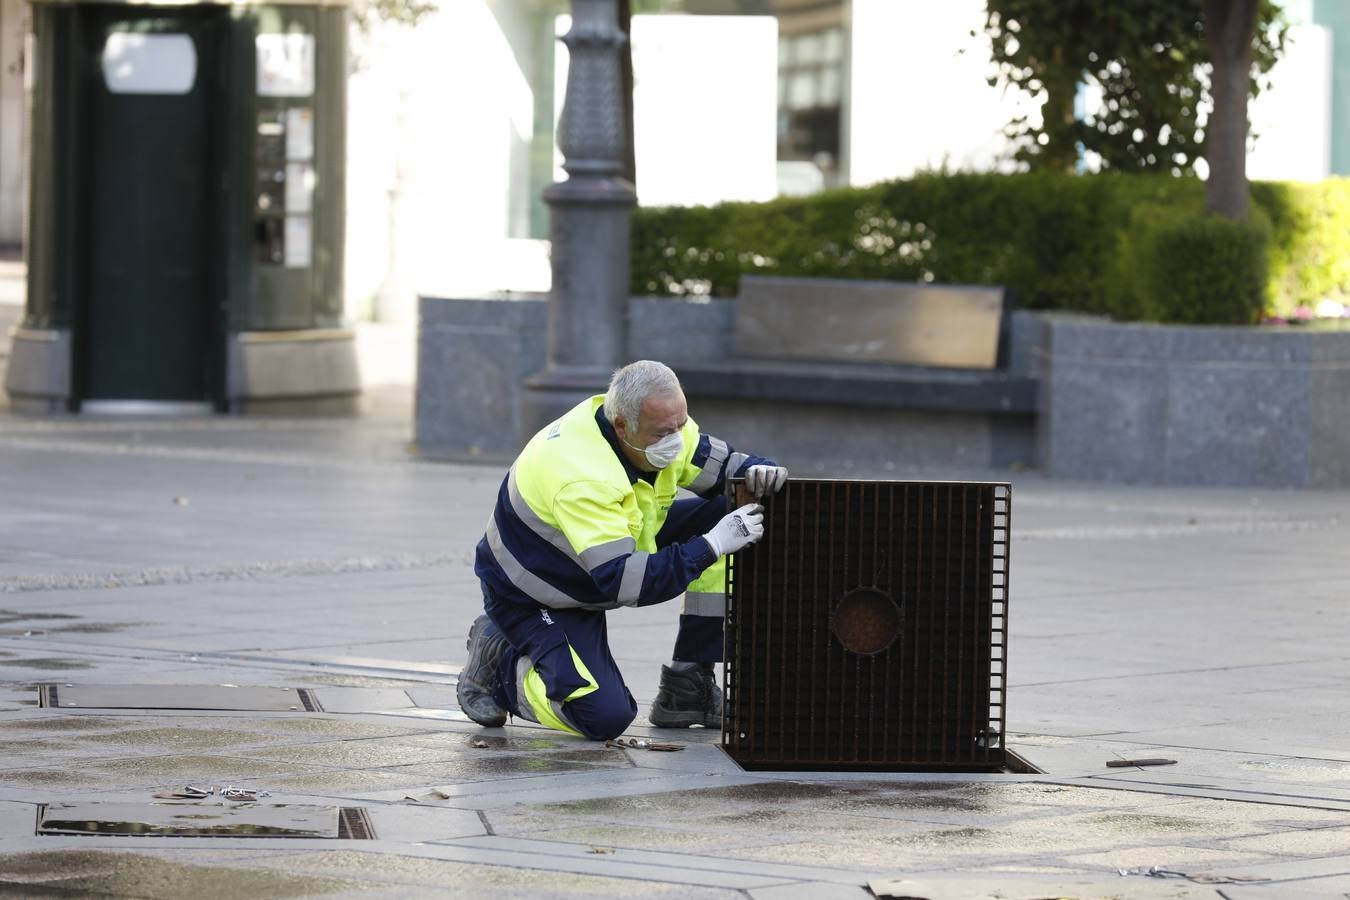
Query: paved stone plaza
[1206,626]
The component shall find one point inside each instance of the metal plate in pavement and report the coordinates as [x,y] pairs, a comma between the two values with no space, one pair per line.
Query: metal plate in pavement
[190,819]
[177,696]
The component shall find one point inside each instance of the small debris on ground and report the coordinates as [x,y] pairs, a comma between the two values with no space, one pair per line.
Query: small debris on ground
[187,792]
[1124,763]
[1151,872]
[479,743]
[599,850]
[433,794]
[1198,877]
[230,792]
[640,744]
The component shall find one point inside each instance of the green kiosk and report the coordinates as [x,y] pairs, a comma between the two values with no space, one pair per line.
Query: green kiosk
[185,231]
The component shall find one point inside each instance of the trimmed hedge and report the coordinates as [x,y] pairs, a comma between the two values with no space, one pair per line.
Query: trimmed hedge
[1060,242]
[1180,267]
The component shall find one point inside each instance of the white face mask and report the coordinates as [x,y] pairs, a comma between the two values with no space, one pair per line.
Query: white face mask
[664,452]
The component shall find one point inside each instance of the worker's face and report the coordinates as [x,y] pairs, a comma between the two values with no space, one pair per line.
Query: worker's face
[662,415]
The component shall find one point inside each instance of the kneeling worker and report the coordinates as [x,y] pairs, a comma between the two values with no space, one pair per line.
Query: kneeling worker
[587,521]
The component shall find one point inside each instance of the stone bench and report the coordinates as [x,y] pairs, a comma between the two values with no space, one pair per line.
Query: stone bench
[874,344]
[953,326]
[865,385]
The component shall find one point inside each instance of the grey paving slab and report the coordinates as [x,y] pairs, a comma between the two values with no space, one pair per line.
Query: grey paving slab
[1291,870]
[17,819]
[415,825]
[1213,772]
[1311,735]
[810,890]
[679,867]
[1322,842]
[1258,794]
[370,753]
[138,741]
[80,869]
[599,862]
[412,649]
[620,836]
[1302,889]
[696,759]
[431,715]
[361,699]
[351,784]
[583,784]
[1173,857]
[1023,886]
[427,874]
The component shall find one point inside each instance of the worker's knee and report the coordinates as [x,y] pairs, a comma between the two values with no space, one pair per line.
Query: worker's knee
[603,715]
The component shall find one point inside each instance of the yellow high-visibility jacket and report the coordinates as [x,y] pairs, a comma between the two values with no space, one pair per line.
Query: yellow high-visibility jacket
[575,524]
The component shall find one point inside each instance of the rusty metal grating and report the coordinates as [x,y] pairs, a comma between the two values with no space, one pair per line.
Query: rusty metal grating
[868,629]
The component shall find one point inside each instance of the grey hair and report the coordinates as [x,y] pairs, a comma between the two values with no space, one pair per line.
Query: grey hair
[633,384]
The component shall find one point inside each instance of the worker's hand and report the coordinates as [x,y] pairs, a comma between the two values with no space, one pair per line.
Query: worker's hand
[761,480]
[737,530]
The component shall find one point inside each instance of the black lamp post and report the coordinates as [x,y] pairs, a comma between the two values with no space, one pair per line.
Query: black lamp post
[589,221]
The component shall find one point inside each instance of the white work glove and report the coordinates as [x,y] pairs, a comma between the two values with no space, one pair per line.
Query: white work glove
[761,480]
[737,530]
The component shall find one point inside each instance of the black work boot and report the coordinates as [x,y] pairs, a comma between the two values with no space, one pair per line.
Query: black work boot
[687,697]
[478,679]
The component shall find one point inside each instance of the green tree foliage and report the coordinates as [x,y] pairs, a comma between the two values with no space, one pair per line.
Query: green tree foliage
[1148,57]
[366,14]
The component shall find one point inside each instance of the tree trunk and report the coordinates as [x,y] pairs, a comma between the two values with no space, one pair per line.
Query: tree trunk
[1059,153]
[1229,30]
[1060,123]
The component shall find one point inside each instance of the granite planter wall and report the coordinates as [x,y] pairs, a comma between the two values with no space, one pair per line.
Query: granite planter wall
[473,355]
[1194,405]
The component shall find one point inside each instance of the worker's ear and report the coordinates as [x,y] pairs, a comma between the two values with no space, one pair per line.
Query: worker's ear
[620,427]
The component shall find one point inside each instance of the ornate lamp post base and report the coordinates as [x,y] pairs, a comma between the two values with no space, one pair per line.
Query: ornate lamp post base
[588,307]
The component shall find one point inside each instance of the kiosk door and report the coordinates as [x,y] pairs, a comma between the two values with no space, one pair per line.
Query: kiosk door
[148,311]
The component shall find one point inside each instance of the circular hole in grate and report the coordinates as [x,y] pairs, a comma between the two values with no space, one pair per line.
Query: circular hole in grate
[866,621]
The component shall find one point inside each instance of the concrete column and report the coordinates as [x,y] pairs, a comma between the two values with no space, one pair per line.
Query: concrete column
[13,120]
[588,223]
[1335,16]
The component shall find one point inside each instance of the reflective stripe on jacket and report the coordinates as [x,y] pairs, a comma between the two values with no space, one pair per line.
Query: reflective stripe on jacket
[575,524]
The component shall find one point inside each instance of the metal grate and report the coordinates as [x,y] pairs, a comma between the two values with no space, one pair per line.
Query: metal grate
[354,824]
[868,629]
